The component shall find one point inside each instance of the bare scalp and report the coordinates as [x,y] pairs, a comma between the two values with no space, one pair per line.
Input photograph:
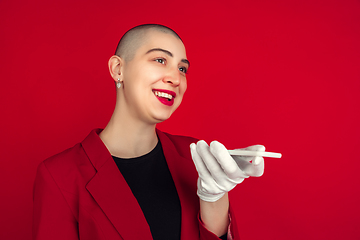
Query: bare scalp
[134,38]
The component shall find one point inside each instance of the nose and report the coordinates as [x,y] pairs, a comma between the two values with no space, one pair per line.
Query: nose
[172,77]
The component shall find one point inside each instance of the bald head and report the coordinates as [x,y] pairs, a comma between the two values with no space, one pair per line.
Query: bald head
[133,39]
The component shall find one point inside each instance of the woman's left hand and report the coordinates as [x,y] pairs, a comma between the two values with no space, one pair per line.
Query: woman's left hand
[219,172]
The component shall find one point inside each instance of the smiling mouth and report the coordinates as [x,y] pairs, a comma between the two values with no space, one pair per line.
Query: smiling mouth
[163,95]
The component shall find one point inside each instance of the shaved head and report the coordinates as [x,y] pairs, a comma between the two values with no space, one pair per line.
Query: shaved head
[136,37]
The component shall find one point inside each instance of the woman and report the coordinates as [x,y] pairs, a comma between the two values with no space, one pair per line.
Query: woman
[130,180]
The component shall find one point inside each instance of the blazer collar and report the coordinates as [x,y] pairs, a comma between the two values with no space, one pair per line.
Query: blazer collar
[111,192]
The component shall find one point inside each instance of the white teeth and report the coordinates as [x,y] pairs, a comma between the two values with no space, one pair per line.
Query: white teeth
[164,95]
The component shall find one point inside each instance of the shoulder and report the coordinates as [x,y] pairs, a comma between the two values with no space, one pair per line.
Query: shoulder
[67,167]
[66,159]
[79,156]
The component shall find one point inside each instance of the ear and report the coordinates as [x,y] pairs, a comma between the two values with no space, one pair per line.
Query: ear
[115,67]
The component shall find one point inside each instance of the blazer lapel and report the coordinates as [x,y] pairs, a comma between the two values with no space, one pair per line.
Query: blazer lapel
[185,176]
[112,194]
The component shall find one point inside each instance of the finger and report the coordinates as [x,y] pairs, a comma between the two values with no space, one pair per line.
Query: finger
[199,164]
[209,160]
[259,148]
[255,160]
[252,166]
[226,162]
[249,168]
[206,182]
[256,170]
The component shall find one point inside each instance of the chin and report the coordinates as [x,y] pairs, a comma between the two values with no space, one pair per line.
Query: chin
[162,117]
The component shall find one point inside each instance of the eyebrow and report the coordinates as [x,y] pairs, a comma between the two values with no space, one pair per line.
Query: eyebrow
[167,53]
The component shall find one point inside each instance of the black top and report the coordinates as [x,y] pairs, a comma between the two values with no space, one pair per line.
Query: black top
[150,181]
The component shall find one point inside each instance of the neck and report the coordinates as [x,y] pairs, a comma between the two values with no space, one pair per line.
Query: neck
[126,137]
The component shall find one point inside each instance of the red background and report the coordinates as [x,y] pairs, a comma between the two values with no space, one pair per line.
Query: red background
[282,73]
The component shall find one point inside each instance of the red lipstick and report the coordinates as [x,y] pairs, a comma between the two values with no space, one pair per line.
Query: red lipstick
[164,100]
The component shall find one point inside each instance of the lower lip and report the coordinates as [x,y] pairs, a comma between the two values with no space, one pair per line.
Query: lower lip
[165,101]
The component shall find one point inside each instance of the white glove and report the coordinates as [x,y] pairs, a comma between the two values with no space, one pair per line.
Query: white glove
[219,172]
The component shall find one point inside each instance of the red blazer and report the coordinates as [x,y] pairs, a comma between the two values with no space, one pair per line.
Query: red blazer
[81,194]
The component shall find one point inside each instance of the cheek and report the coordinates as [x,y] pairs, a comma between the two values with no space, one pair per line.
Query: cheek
[152,70]
[142,74]
[183,86]
[152,74]
[182,90]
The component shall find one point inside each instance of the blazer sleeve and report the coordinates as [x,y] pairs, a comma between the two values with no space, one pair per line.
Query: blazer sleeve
[232,233]
[52,217]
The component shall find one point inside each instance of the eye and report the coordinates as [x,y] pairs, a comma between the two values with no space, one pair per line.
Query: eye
[160,60]
[183,69]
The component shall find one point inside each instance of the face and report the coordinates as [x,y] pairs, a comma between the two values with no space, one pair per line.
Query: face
[154,81]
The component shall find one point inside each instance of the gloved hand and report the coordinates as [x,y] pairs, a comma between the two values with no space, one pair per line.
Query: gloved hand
[219,172]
